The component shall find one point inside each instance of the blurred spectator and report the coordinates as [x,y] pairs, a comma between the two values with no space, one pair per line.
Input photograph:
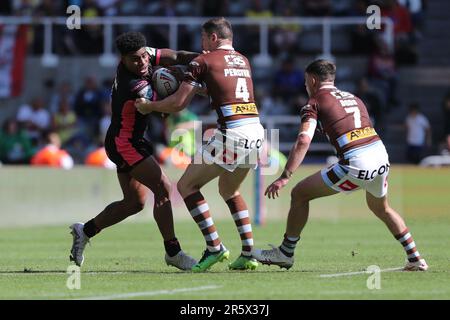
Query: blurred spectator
[64,93]
[405,50]
[373,102]
[258,9]
[106,89]
[416,9]
[99,158]
[166,9]
[24,8]
[278,7]
[132,7]
[65,122]
[264,101]
[158,35]
[237,8]
[171,8]
[446,146]
[399,15]
[15,145]
[383,74]
[269,106]
[35,119]
[105,120]
[446,109]
[342,7]
[88,106]
[316,8]
[288,81]
[285,36]
[214,8]
[46,8]
[89,39]
[249,33]
[418,134]
[108,7]
[52,155]
[49,8]
[361,37]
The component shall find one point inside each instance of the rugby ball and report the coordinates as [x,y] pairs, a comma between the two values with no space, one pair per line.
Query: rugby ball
[164,82]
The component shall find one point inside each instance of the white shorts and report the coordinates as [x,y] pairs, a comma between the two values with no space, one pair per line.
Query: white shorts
[367,168]
[236,147]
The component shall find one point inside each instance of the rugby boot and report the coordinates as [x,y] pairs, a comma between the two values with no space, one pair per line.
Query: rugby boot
[80,239]
[273,256]
[210,258]
[243,263]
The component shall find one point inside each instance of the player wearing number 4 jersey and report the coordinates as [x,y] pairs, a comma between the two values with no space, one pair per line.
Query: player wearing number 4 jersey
[234,148]
[363,164]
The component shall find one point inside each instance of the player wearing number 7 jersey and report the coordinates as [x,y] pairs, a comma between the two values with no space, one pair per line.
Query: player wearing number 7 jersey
[233,149]
[363,164]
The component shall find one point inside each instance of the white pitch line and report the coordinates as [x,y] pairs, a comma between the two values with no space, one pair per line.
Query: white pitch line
[334,275]
[149,293]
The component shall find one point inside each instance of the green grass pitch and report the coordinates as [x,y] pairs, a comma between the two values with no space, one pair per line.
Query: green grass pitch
[342,236]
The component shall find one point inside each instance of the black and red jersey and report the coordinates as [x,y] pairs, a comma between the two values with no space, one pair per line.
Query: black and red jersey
[127,123]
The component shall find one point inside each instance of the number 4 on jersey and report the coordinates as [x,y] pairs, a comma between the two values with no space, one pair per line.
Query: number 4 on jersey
[241,89]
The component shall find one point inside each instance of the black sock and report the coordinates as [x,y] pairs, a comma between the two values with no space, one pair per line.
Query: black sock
[90,229]
[172,247]
[288,245]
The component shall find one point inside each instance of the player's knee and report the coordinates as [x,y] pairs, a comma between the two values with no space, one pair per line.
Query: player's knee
[135,206]
[162,192]
[165,187]
[185,188]
[378,209]
[138,207]
[298,195]
[224,192]
[162,188]
[181,187]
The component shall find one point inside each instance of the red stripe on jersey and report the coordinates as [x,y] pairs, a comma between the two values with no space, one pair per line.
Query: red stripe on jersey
[158,56]
[123,144]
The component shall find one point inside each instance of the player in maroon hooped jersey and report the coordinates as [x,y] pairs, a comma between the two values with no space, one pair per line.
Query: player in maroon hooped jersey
[363,164]
[235,146]
[137,170]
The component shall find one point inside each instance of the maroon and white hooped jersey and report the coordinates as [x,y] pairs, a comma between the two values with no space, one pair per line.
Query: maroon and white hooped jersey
[342,116]
[227,75]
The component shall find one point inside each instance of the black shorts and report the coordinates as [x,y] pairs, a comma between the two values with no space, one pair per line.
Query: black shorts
[127,153]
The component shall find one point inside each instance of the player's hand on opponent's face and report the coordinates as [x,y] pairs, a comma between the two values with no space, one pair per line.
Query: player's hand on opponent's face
[143,105]
[277,185]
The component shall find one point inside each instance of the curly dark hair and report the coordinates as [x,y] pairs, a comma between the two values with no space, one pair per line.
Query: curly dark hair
[130,42]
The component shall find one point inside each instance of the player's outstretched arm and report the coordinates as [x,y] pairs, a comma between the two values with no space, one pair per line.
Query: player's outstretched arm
[171,57]
[173,103]
[296,156]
